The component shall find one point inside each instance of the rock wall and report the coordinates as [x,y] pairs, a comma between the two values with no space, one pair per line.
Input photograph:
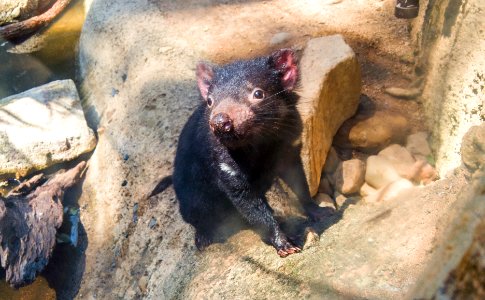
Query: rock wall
[450,41]
[457,269]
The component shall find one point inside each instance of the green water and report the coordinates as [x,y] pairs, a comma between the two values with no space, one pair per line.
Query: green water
[54,58]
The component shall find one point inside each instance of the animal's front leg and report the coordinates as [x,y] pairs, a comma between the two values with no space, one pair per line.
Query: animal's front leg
[256,210]
[293,174]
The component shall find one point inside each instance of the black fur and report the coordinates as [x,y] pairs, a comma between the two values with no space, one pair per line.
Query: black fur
[207,191]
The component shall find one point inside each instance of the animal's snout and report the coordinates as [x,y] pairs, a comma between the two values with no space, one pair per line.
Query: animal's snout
[221,123]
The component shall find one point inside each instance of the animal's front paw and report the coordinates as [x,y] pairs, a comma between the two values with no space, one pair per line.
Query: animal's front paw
[286,248]
[317,213]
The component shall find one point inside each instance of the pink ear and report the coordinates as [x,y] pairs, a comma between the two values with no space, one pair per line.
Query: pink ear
[285,62]
[204,77]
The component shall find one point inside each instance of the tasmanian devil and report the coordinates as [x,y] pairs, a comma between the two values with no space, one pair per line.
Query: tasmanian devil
[243,134]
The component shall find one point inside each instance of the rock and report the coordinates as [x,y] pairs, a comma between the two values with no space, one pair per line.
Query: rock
[372,133]
[366,190]
[400,158]
[380,172]
[331,162]
[12,10]
[453,91]
[456,266]
[143,284]
[428,174]
[325,186]
[324,200]
[41,127]
[422,172]
[280,38]
[340,199]
[390,191]
[311,238]
[349,176]
[330,84]
[397,92]
[470,272]
[417,144]
[473,147]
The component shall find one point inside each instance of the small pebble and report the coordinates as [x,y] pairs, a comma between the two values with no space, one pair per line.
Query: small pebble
[400,158]
[143,284]
[380,172]
[152,223]
[311,239]
[402,93]
[390,191]
[349,176]
[417,144]
[366,190]
[324,200]
[280,38]
[114,92]
[340,200]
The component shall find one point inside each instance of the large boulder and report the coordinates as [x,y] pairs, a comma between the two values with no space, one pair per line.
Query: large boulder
[330,89]
[41,127]
[451,53]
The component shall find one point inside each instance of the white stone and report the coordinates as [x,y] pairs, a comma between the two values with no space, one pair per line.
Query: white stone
[380,172]
[417,144]
[41,127]
[400,158]
[349,176]
[390,191]
[366,190]
[324,200]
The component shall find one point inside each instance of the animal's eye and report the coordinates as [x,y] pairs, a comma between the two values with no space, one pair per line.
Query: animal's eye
[209,101]
[258,94]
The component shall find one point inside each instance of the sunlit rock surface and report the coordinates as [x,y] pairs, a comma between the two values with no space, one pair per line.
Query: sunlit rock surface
[41,127]
[137,61]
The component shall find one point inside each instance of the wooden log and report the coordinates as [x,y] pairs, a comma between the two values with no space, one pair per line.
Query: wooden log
[21,28]
[29,218]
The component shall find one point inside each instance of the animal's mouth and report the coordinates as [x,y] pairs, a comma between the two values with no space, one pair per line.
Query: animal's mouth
[245,134]
[230,139]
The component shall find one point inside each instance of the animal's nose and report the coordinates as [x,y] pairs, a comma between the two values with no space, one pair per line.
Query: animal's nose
[221,123]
